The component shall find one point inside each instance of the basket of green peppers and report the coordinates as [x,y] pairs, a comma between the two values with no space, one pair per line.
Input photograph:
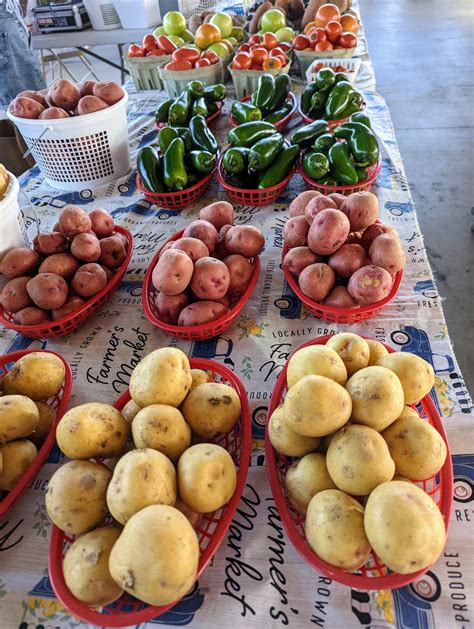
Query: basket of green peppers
[179,169]
[330,97]
[258,163]
[342,159]
[272,101]
[196,100]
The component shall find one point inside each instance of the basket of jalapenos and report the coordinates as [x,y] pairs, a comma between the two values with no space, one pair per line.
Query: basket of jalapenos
[177,170]
[196,100]
[342,159]
[272,101]
[258,163]
[332,97]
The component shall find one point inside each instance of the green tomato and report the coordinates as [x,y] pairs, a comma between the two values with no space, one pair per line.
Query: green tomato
[220,49]
[159,31]
[187,36]
[224,23]
[179,41]
[238,33]
[286,34]
[272,21]
[174,23]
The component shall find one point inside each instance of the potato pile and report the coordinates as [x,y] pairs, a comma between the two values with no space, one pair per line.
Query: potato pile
[200,276]
[340,255]
[155,487]
[348,415]
[66,268]
[63,99]
[25,416]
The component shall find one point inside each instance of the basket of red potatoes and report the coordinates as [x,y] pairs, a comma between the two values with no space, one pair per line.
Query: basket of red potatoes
[202,277]
[341,262]
[70,272]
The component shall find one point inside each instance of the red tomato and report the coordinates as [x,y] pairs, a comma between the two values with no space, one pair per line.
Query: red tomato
[318,66]
[275,52]
[202,63]
[269,41]
[300,42]
[254,66]
[347,40]
[135,51]
[166,44]
[321,34]
[186,54]
[283,60]
[149,43]
[244,48]
[156,52]
[242,61]
[254,39]
[323,45]
[271,63]
[333,30]
[285,46]
[211,55]
[259,55]
[179,65]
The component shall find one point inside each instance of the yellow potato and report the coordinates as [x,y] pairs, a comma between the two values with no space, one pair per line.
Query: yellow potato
[325,442]
[129,411]
[305,478]
[404,526]
[358,460]
[316,406]
[19,417]
[193,516]
[47,417]
[318,360]
[199,376]
[416,447]
[17,456]
[377,350]
[37,375]
[92,430]
[75,499]
[211,409]
[206,477]
[377,397]
[353,350]
[141,478]
[162,377]
[156,556]
[285,440]
[86,567]
[162,428]
[415,374]
[7,386]
[334,529]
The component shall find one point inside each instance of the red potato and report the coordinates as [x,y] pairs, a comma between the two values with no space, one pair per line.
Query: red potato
[26,108]
[221,250]
[19,261]
[225,301]
[338,198]
[88,280]
[15,297]
[86,247]
[173,272]
[203,230]
[110,92]
[372,232]
[316,280]
[121,237]
[64,93]
[87,88]
[73,220]
[240,270]
[387,252]
[109,273]
[354,238]
[47,244]
[112,252]
[89,105]
[328,232]
[165,247]
[37,96]
[195,248]
[339,297]
[219,213]
[211,279]
[295,232]
[71,305]
[370,284]
[169,306]
[48,290]
[362,209]
[53,113]
[201,312]
[298,205]
[347,260]
[317,205]
[102,223]
[31,316]
[63,264]
[244,239]
[299,258]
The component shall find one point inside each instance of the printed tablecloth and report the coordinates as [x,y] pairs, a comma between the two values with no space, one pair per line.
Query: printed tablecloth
[256,578]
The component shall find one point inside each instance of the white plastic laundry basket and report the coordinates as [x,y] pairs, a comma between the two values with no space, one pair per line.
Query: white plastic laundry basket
[82,151]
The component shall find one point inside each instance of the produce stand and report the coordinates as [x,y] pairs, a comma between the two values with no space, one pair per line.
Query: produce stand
[256,579]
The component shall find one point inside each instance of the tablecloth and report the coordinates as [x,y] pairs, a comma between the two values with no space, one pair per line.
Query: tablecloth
[256,578]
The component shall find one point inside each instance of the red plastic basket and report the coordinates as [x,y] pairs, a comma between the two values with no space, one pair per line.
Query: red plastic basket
[281,124]
[372,174]
[257,198]
[341,315]
[176,200]
[194,332]
[210,120]
[331,123]
[374,575]
[59,403]
[211,529]
[69,323]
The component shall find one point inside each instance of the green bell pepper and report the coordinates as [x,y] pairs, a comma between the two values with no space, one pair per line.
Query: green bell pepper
[315,165]
[325,79]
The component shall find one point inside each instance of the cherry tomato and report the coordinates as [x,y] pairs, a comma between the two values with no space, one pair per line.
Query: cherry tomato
[269,41]
[323,45]
[149,43]
[333,30]
[166,44]
[242,61]
[186,54]
[271,63]
[254,39]
[202,63]
[347,40]
[211,55]
[135,51]
[300,42]
[259,55]
[156,52]
[244,48]
[319,66]
[179,65]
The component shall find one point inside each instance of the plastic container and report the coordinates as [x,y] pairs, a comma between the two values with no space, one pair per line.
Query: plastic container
[66,325]
[80,152]
[210,120]
[257,198]
[331,123]
[211,529]
[13,232]
[144,71]
[195,332]
[372,174]
[352,67]
[102,14]
[374,575]
[245,81]
[141,14]
[179,199]
[305,57]
[59,402]
[175,82]
[281,124]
